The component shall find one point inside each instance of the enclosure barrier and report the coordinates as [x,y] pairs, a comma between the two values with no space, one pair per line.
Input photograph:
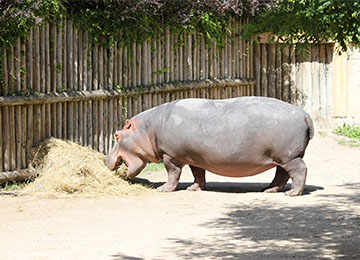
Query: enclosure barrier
[59,83]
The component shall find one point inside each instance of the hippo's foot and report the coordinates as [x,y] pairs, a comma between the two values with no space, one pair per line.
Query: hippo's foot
[271,190]
[199,178]
[292,193]
[166,187]
[195,187]
[296,169]
[280,180]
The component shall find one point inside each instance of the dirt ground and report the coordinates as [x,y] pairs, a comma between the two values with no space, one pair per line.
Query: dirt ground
[231,220]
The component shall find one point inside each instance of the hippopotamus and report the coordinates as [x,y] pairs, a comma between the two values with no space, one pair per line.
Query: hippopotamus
[235,137]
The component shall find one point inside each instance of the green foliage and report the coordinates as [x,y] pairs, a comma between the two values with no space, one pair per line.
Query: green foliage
[124,21]
[18,16]
[154,167]
[351,131]
[309,21]
[13,185]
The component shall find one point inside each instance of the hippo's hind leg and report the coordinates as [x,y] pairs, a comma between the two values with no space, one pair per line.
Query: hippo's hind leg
[296,169]
[199,179]
[174,171]
[279,182]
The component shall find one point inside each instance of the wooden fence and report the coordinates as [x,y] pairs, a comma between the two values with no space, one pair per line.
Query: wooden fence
[305,80]
[59,84]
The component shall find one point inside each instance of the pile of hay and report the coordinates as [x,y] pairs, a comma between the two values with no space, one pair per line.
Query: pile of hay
[63,168]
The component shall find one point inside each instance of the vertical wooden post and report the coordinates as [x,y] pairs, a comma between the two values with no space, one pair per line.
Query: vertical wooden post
[53,58]
[59,67]
[5,80]
[48,46]
[17,58]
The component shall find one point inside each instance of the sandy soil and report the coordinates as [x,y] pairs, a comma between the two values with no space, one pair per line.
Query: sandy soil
[231,220]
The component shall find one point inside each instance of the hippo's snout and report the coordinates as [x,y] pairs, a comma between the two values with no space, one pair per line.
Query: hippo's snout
[113,162]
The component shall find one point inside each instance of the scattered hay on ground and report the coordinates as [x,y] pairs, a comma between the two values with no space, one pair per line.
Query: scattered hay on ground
[66,169]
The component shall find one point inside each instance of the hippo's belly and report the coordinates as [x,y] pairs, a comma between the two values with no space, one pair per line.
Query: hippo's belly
[237,170]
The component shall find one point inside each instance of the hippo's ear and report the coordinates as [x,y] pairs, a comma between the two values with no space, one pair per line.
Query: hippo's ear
[127,124]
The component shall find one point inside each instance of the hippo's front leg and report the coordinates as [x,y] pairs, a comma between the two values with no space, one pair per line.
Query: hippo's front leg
[174,170]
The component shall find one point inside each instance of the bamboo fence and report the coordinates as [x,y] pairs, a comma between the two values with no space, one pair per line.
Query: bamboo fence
[58,83]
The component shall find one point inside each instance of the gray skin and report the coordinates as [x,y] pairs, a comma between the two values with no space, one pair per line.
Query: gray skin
[234,137]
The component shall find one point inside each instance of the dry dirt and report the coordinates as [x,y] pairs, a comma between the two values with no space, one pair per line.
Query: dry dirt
[231,220]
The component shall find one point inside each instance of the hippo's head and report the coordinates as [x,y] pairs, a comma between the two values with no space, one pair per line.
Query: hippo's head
[128,149]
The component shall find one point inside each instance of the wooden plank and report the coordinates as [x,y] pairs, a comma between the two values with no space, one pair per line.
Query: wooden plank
[181,59]
[149,67]
[329,79]
[10,69]
[105,125]
[69,56]
[195,57]
[120,66]
[101,123]
[30,130]
[90,132]
[202,57]
[110,68]
[4,83]
[59,59]
[6,132]
[278,66]
[216,60]
[101,67]
[37,124]
[81,120]
[42,59]
[115,65]
[64,126]
[271,71]
[48,121]
[85,124]
[95,66]
[300,97]
[75,58]
[293,93]
[167,54]
[139,66]
[47,88]
[43,122]
[143,56]
[189,58]
[86,60]
[12,146]
[110,115]
[322,85]
[70,121]
[264,72]
[53,111]
[95,124]
[64,71]
[23,137]
[75,126]
[59,121]
[315,76]
[172,59]
[80,59]
[257,69]
[125,68]
[154,63]
[285,74]
[17,61]
[53,58]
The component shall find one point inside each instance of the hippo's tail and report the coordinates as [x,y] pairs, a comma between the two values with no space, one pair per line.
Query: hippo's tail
[310,125]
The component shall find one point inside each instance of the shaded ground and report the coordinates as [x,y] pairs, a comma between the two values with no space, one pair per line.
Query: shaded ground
[231,220]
